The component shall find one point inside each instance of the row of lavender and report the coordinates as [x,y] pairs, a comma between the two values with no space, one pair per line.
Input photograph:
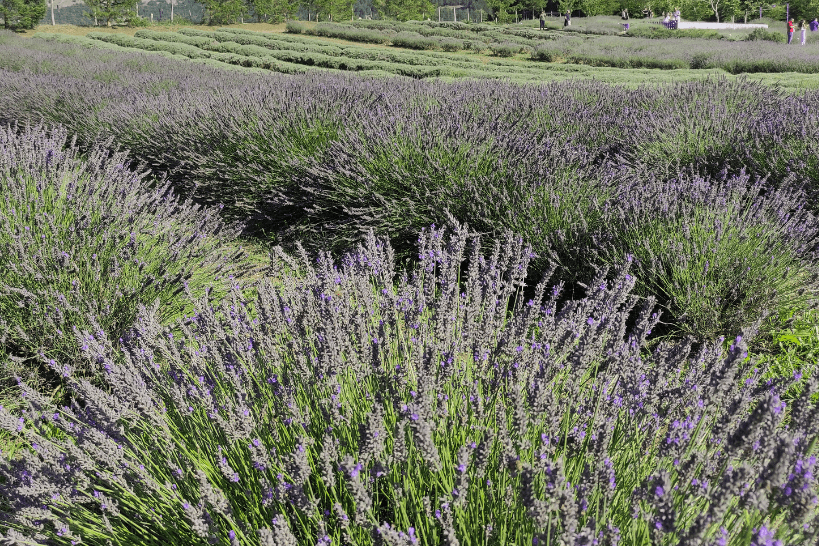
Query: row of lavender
[342,407]
[83,236]
[735,57]
[706,185]
[350,403]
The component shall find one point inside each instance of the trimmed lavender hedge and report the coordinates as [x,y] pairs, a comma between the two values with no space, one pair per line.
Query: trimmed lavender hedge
[735,57]
[84,236]
[340,407]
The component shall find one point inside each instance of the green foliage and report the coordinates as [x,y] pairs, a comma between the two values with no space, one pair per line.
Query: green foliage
[223,12]
[475,45]
[692,10]
[21,14]
[766,35]
[567,5]
[139,22]
[591,8]
[739,269]
[502,10]
[271,11]
[404,10]
[334,10]
[111,11]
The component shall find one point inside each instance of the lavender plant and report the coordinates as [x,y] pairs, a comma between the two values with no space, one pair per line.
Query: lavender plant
[343,407]
[324,157]
[723,253]
[84,235]
[734,57]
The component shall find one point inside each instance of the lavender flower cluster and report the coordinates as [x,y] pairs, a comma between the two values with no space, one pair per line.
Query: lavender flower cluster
[342,407]
[83,235]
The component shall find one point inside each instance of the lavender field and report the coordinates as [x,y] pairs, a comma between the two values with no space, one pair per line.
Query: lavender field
[492,313]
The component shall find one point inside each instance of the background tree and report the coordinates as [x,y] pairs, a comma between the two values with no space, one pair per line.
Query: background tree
[364,8]
[272,11]
[802,9]
[715,7]
[730,10]
[749,9]
[111,10]
[404,10]
[591,8]
[693,10]
[635,7]
[567,5]
[224,12]
[335,10]
[21,14]
[501,9]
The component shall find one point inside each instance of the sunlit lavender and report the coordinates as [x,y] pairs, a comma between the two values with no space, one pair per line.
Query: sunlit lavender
[340,407]
[489,314]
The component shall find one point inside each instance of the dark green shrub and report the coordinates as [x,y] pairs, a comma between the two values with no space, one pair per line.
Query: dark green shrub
[766,35]
[700,61]
[138,22]
[21,14]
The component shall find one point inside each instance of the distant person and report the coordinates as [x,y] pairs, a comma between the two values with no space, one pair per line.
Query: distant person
[626,12]
[667,19]
[568,20]
[543,20]
[814,25]
[790,30]
[677,15]
[803,28]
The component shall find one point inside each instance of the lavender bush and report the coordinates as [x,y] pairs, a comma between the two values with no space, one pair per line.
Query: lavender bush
[83,235]
[726,251]
[735,57]
[341,407]
[325,157]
